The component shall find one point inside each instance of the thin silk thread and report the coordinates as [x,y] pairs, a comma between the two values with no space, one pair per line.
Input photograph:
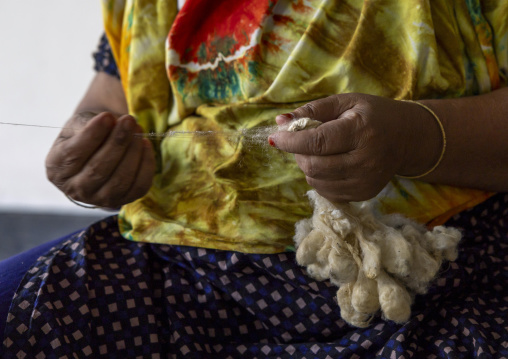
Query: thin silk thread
[40,126]
[256,135]
[252,139]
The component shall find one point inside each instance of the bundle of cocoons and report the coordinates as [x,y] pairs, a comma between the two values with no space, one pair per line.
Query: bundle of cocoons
[379,262]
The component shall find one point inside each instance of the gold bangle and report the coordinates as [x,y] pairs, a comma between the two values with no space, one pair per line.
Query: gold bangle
[443,134]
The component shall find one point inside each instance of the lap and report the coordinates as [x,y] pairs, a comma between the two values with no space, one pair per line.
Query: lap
[100,293]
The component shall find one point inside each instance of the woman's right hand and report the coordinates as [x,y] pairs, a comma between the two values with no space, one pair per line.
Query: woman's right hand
[96,159]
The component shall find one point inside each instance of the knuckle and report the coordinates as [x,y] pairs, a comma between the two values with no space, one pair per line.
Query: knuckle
[357,118]
[307,110]
[334,100]
[95,173]
[69,157]
[56,172]
[69,162]
[84,117]
[318,143]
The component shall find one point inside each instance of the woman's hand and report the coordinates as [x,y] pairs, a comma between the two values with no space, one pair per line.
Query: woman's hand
[364,141]
[97,160]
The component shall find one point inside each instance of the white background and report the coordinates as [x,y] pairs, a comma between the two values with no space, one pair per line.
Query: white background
[46,65]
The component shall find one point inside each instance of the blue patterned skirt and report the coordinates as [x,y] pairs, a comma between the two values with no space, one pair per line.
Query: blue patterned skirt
[97,294]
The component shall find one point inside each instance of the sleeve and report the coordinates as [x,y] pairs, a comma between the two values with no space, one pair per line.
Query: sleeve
[104,60]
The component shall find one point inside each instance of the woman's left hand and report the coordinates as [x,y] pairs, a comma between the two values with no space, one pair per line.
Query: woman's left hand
[363,142]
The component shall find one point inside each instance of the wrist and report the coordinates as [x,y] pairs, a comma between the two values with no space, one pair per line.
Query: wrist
[426,141]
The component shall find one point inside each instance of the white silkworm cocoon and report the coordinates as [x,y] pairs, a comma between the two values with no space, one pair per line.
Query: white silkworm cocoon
[394,299]
[307,250]
[424,266]
[321,222]
[348,313]
[397,253]
[341,225]
[343,268]
[371,257]
[362,253]
[319,271]
[323,252]
[302,229]
[365,296]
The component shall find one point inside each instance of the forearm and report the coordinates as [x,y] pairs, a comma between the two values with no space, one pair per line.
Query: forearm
[477,141]
[105,94]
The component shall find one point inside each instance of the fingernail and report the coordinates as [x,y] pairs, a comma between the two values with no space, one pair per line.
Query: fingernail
[289,116]
[271,142]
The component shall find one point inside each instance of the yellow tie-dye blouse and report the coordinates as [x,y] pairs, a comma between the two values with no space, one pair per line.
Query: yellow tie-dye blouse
[224,65]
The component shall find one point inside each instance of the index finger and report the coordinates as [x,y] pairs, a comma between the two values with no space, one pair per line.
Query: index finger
[322,110]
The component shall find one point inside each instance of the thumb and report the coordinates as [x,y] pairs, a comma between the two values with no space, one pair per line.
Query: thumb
[331,138]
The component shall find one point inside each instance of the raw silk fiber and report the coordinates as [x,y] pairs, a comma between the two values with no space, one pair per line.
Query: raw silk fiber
[234,65]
